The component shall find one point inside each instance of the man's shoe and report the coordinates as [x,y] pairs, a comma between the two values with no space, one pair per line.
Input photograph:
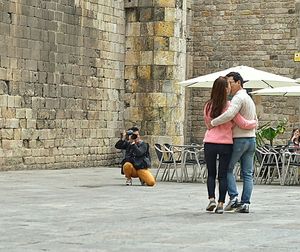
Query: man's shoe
[211,205]
[129,182]
[232,205]
[244,208]
[219,209]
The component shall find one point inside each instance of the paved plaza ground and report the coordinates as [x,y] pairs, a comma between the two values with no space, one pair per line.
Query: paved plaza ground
[92,210]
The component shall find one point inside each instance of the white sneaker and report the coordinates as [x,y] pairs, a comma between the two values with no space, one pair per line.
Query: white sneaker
[232,205]
[128,182]
[211,205]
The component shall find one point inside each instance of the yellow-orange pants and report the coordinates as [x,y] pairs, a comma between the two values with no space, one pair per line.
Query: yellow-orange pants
[143,174]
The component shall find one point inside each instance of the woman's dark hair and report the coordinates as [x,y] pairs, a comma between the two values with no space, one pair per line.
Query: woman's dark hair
[293,132]
[236,77]
[218,97]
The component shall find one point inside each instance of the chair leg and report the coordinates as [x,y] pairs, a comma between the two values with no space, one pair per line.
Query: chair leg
[158,168]
[165,173]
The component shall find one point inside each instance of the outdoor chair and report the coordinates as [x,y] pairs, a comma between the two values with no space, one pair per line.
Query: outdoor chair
[291,166]
[268,165]
[167,162]
[193,156]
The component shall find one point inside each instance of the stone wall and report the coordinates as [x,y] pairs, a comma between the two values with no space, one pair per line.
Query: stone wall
[258,34]
[155,62]
[73,73]
[61,72]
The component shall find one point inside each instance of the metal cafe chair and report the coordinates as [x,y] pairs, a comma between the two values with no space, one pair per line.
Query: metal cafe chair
[290,167]
[193,156]
[167,161]
[269,161]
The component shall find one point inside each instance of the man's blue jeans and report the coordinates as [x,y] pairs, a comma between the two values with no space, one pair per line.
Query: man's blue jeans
[243,150]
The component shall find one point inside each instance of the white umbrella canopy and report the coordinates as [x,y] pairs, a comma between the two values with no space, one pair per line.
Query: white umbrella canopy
[255,78]
[279,91]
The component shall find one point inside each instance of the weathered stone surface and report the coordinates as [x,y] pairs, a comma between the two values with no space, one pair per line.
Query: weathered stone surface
[133,29]
[146,58]
[82,70]
[163,58]
[130,72]
[144,72]
[159,72]
[164,29]
[50,79]
[161,43]
[146,14]
[159,14]
[147,29]
[165,3]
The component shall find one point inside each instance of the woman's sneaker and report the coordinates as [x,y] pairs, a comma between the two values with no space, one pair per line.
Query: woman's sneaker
[219,209]
[232,205]
[128,182]
[211,205]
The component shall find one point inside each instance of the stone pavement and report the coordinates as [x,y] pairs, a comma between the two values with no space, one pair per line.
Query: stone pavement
[92,210]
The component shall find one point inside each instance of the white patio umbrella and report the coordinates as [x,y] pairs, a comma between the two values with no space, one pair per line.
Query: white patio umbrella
[255,78]
[279,91]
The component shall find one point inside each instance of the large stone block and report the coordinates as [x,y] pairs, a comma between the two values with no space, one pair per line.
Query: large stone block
[21,113]
[156,128]
[145,14]
[132,58]
[131,86]
[11,144]
[9,112]
[144,72]
[146,3]
[164,58]
[130,72]
[147,29]
[133,29]
[131,3]
[161,43]
[159,72]
[157,100]
[3,73]
[164,29]
[152,114]
[146,58]
[7,134]
[3,100]
[159,14]
[165,3]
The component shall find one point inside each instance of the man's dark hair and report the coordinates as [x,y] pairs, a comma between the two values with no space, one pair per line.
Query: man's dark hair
[236,77]
[134,128]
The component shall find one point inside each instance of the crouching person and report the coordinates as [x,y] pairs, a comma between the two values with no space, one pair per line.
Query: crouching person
[137,162]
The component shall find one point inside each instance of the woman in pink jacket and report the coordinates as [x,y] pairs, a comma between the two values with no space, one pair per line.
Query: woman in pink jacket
[218,142]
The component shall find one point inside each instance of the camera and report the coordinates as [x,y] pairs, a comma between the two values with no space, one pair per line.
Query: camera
[134,136]
[129,132]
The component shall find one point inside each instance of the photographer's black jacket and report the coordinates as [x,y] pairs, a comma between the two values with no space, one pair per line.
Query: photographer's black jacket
[134,152]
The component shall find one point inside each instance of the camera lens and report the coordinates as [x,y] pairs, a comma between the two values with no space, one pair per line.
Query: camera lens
[134,136]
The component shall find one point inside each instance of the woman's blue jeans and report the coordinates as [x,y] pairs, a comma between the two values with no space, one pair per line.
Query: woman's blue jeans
[243,150]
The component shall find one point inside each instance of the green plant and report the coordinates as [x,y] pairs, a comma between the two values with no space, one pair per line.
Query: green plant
[270,132]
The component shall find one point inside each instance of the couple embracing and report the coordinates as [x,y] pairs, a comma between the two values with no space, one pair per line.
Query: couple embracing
[230,138]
